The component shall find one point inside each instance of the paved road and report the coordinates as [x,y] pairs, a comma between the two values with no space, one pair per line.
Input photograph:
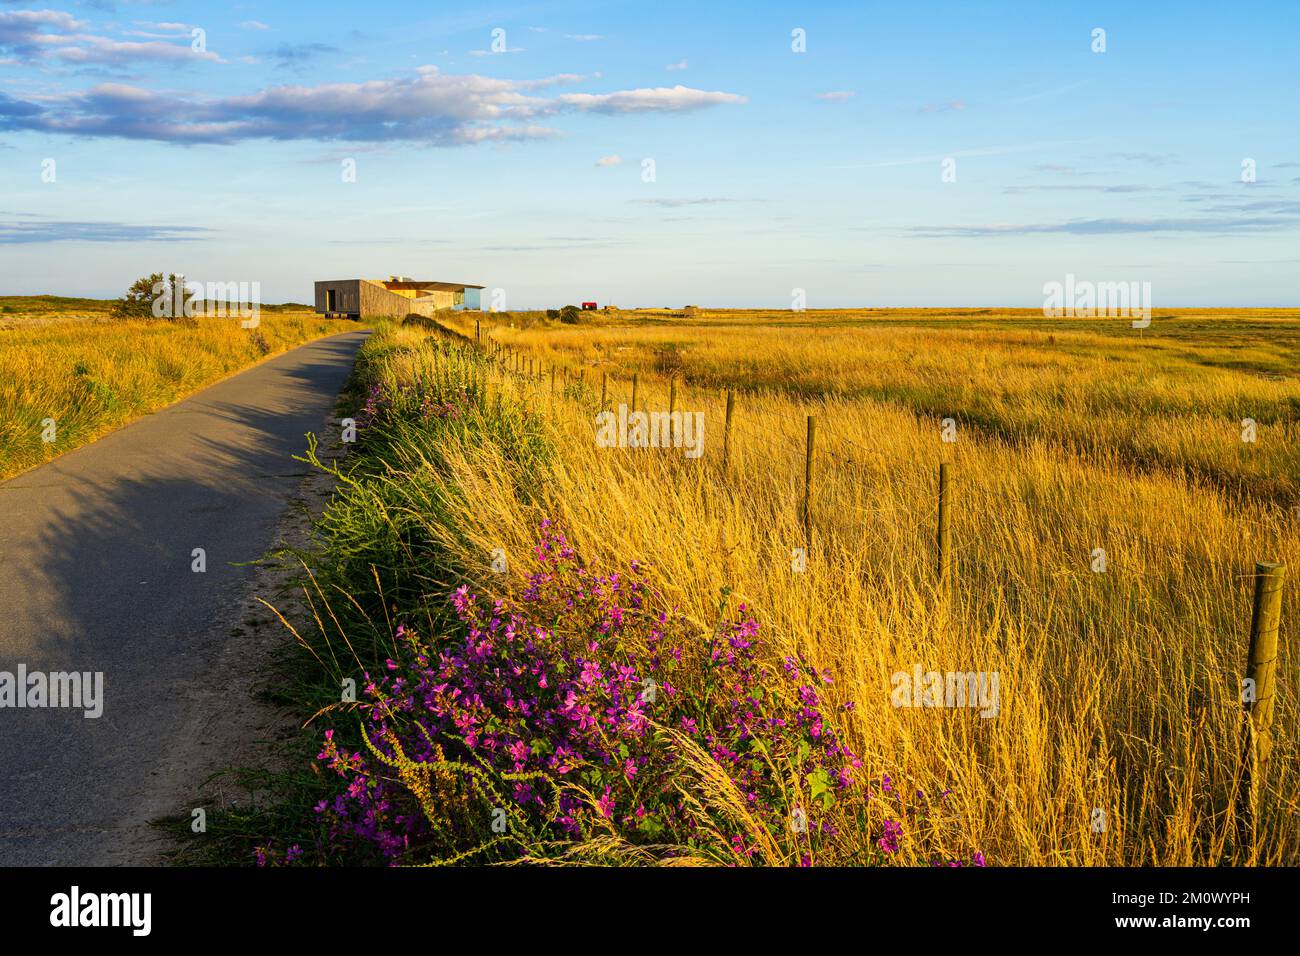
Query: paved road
[96,576]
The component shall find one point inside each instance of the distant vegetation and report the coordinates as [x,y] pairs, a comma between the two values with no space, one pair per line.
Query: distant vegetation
[66,361]
[16,308]
[44,304]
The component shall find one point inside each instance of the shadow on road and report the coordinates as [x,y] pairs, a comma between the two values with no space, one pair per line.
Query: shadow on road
[97,574]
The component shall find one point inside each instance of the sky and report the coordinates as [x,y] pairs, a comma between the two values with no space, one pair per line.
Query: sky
[656,153]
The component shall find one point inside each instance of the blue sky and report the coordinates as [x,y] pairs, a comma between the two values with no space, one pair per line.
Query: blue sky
[516,159]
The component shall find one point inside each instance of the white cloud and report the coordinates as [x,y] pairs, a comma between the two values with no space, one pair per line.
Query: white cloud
[661,99]
[609,160]
[679,65]
[101,50]
[159,31]
[431,106]
[24,26]
[165,27]
[253,25]
[837,96]
[33,35]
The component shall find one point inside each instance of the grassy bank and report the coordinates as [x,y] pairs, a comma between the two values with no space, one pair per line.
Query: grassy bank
[92,374]
[777,734]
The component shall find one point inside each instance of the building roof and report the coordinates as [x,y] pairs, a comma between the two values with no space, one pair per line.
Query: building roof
[423,284]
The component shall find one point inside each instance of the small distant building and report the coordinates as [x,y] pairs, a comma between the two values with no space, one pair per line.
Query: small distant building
[396,296]
[589,306]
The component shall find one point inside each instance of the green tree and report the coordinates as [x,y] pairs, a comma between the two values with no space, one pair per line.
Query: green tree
[138,301]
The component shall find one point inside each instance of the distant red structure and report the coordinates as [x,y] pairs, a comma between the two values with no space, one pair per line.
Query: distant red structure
[588,306]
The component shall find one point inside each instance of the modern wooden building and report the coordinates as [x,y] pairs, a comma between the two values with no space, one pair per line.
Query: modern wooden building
[395,296]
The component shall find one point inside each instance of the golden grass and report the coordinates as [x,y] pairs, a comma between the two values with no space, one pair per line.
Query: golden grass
[1119,690]
[1174,395]
[96,374]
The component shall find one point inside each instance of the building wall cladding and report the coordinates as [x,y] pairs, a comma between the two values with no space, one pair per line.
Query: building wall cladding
[347,295]
[368,298]
[376,300]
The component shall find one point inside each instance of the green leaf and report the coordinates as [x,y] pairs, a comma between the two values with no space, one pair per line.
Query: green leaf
[823,789]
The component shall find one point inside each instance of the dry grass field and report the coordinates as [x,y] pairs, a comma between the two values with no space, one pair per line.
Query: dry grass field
[1118,731]
[71,361]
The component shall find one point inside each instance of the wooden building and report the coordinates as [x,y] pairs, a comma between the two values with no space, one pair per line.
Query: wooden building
[396,296]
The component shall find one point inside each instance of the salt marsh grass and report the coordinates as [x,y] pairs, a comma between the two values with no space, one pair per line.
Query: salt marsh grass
[1120,690]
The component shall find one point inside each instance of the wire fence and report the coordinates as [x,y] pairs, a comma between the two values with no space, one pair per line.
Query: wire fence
[819,447]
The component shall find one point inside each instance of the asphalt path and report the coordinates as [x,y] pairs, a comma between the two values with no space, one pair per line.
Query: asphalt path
[97,558]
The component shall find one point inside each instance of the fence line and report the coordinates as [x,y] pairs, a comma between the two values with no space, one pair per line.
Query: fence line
[1259,690]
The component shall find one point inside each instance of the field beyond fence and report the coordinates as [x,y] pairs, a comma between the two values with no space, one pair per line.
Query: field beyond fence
[1104,561]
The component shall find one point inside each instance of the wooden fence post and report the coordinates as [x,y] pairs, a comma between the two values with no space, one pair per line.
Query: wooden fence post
[672,407]
[945,543]
[726,429]
[1265,617]
[807,484]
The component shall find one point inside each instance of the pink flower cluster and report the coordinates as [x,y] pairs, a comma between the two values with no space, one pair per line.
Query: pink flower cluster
[562,701]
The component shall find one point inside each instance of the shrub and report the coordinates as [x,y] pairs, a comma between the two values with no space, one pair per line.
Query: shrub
[137,302]
[415,320]
[570,314]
